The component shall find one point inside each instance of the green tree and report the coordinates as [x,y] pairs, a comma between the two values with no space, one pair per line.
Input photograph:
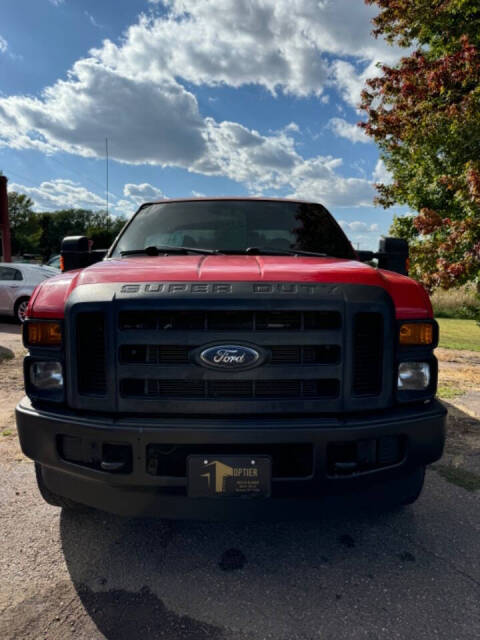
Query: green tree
[24,224]
[103,229]
[58,224]
[98,226]
[424,114]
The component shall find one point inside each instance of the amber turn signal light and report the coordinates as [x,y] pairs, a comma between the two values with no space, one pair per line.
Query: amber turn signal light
[416,333]
[43,334]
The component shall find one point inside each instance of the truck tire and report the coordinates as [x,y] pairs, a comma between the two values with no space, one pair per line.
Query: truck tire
[406,490]
[53,498]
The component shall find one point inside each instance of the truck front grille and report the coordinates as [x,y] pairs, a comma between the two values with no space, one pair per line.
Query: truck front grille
[141,356]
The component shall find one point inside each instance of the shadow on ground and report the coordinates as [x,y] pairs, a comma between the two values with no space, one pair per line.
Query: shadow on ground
[415,571]
[134,576]
[10,325]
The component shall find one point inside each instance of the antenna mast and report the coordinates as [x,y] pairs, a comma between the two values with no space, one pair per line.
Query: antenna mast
[106,155]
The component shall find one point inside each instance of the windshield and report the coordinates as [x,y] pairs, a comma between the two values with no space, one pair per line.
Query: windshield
[236,225]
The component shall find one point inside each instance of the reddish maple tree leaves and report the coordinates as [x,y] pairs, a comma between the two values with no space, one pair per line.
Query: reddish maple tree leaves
[424,114]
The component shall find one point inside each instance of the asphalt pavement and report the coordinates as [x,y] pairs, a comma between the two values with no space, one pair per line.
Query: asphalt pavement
[351,573]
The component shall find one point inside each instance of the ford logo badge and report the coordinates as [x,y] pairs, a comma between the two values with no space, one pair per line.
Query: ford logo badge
[230,356]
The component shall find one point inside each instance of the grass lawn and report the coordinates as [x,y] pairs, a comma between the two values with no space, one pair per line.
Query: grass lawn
[459,334]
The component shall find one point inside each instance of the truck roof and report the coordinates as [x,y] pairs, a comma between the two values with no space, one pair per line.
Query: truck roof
[254,198]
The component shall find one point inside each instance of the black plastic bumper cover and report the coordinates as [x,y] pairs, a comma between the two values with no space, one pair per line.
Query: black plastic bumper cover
[138,493]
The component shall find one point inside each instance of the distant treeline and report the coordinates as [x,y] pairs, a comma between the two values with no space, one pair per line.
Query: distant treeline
[41,234]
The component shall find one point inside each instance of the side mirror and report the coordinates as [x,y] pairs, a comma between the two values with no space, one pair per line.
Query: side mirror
[392,255]
[76,253]
[366,256]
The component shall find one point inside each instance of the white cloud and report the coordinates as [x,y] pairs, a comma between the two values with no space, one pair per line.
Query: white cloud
[348,130]
[3,45]
[278,44]
[132,92]
[362,234]
[144,192]
[60,194]
[57,2]
[358,226]
[134,196]
[76,115]
[381,173]
[125,207]
[93,21]
[350,82]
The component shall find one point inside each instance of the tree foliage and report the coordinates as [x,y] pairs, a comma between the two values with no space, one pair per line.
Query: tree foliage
[42,233]
[97,225]
[24,227]
[424,114]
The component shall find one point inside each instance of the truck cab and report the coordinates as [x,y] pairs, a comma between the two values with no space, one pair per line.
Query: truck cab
[229,356]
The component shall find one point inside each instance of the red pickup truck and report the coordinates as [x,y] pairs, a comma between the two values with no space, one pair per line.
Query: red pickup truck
[229,356]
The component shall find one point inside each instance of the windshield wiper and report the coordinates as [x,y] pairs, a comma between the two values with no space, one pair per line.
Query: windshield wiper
[156,251]
[266,251]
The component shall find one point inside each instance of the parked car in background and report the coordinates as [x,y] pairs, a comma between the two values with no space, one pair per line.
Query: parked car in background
[54,262]
[17,282]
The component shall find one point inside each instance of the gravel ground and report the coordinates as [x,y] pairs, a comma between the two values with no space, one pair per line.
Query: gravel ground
[352,573]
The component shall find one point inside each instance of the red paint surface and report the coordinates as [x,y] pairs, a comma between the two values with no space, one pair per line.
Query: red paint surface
[410,299]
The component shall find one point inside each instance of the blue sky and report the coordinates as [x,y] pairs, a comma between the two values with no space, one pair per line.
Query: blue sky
[239,97]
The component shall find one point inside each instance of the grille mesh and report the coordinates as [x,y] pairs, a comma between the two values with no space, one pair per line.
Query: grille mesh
[368,354]
[91,354]
[139,387]
[179,354]
[229,320]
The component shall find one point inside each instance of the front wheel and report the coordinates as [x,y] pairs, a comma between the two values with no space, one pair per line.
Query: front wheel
[20,310]
[53,498]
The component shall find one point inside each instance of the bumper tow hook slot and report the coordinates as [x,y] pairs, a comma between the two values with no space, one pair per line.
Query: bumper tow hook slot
[111,466]
[346,466]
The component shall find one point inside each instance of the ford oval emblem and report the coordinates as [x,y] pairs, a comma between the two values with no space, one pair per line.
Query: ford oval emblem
[230,356]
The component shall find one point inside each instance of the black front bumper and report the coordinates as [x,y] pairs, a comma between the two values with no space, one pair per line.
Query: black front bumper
[421,428]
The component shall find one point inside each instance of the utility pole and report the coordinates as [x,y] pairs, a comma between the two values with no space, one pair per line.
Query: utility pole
[5,241]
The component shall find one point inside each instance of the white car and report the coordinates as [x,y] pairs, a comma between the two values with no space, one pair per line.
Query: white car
[17,282]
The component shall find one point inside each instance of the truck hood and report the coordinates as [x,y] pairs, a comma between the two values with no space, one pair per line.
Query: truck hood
[409,297]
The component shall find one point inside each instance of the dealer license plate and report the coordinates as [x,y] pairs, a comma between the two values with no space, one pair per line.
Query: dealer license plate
[229,476]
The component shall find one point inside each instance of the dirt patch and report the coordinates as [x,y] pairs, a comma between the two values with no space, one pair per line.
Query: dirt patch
[6,354]
[64,613]
[11,391]
[461,477]
[459,370]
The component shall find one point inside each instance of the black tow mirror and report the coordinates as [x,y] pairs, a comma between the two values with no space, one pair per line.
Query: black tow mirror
[76,253]
[392,255]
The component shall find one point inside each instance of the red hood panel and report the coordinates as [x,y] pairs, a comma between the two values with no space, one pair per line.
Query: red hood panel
[222,268]
[409,297]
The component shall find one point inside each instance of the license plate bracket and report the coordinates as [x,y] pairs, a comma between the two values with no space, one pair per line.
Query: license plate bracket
[213,476]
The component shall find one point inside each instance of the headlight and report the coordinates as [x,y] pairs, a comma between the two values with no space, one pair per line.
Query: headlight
[413,376]
[47,376]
